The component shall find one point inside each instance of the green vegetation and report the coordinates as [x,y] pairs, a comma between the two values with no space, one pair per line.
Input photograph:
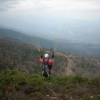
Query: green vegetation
[20,75]
[33,86]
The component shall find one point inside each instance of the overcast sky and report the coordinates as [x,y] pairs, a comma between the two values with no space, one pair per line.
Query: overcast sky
[47,15]
[81,9]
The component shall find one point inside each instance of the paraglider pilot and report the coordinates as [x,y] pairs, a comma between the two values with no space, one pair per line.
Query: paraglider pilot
[47,61]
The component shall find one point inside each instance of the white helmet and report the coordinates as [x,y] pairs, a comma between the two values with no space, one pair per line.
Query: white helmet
[46,55]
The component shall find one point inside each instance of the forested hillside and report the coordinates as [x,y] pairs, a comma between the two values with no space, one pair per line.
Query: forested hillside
[15,55]
[20,74]
[83,66]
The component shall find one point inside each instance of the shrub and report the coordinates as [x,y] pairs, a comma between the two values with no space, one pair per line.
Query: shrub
[36,96]
[35,80]
[16,87]
[79,79]
[86,98]
[0,95]
[95,81]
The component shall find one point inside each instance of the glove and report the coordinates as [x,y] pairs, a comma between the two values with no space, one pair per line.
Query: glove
[41,56]
[53,55]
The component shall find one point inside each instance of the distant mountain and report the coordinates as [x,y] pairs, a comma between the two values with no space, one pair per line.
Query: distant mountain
[73,47]
[25,38]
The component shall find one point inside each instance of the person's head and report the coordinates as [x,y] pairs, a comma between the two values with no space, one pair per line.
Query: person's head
[46,55]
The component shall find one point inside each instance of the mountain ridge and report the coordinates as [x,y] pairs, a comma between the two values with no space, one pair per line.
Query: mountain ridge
[76,48]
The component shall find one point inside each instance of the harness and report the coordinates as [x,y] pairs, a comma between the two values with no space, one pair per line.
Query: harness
[45,67]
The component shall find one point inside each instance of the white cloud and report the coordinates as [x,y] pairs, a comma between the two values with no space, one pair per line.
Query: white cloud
[82,9]
[51,5]
[65,4]
[8,4]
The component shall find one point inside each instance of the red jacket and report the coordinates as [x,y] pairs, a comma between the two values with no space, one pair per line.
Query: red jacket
[49,61]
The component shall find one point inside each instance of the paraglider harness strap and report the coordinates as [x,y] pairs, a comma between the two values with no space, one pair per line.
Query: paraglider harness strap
[45,66]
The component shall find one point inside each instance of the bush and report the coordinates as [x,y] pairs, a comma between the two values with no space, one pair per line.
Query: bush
[86,98]
[35,80]
[79,79]
[95,81]
[0,95]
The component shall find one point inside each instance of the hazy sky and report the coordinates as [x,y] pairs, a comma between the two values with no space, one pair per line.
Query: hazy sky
[47,15]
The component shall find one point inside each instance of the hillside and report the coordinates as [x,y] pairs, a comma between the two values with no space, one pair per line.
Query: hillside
[18,86]
[15,55]
[20,74]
